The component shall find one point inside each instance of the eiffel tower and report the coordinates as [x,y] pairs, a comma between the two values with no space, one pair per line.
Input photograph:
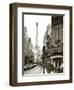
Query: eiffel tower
[37,51]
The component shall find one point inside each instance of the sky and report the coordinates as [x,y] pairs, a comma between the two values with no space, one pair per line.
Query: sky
[30,24]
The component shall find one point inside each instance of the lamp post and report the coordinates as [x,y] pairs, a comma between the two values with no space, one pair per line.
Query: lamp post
[43,59]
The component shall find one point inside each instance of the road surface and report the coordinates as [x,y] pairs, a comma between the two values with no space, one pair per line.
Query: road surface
[36,70]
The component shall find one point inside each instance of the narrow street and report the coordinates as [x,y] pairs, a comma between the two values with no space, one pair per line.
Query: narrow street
[35,70]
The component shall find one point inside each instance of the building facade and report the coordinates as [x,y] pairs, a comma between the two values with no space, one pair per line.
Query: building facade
[28,49]
[53,44]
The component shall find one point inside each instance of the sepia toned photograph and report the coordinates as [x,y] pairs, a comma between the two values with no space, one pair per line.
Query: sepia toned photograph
[43,44]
